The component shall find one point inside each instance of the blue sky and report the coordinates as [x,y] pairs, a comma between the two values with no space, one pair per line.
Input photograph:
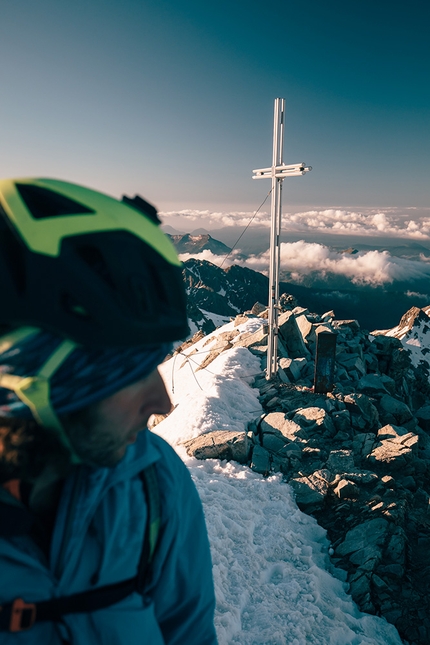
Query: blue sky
[174,100]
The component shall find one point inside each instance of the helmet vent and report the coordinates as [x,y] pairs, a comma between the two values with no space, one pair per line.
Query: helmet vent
[93,257]
[43,203]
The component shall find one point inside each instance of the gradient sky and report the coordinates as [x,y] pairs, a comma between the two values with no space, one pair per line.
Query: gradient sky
[174,99]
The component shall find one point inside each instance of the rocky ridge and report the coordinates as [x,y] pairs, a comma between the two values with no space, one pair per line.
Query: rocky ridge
[358,457]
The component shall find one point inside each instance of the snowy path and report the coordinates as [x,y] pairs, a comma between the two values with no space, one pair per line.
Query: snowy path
[271,564]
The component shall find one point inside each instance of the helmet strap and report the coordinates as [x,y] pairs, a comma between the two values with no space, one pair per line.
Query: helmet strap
[34,391]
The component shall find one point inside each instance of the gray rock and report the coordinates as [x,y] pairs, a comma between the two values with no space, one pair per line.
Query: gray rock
[372,553]
[327,316]
[310,495]
[395,551]
[389,383]
[395,447]
[346,489]
[259,337]
[344,325]
[363,444]
[423,416]
[352,362]
[360,586]
[363,413]
[371,362]
[258,350]
[258,308]
[342,421]
[379,583]
[385,344]
[340,461]
[306,328]
[281,446]
[220,444]
[363,477]
[260,462]
[291,336]
[314,420]
[277,423]
[372,385]
[290,368]
[391,571]
[370,533]
[390,407]
[300,311]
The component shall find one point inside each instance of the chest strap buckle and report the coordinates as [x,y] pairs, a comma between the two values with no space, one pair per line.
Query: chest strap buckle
[22,615]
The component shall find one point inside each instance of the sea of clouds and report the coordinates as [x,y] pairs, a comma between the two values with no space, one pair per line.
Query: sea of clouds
[299,259]
[411,223]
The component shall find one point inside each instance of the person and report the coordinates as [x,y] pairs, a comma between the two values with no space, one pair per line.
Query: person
[102,533]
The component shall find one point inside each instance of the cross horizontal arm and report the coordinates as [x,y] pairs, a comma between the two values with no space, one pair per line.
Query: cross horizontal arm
[293,166]
[294,170]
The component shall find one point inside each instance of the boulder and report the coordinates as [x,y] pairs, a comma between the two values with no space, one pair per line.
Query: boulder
[278,424]
[279,445]
[342,421]
[220,444]
[395,448]
[327,316]
[372,385]
[258,308]
[371,362]
[291,367]
[352,326]
[306,329]
[423,416]
[314,420]
[367,534]
[363,413]
[392,410]
[347,489]
[352,362]
[259,337]
[260,461]
[291,336]
[340,461]
[363,444]
[310,492]
[389,383]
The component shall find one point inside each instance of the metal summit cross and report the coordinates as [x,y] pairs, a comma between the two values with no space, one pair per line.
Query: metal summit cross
[277,172]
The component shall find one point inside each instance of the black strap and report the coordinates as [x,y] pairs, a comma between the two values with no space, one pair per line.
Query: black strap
[20,615]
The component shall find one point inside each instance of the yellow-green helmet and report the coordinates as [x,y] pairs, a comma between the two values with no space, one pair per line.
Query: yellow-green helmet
[86,266]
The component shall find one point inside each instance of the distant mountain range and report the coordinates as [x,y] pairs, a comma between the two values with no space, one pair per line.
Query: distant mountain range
[225,292]
[197,242]
[215,294]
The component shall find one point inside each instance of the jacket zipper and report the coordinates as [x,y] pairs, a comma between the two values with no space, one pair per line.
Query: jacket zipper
[69,521]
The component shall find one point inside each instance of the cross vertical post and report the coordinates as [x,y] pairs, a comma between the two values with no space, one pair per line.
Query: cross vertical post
[277,172]
[275,232]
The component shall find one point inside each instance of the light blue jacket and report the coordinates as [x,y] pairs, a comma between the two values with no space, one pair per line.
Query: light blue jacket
[97,541]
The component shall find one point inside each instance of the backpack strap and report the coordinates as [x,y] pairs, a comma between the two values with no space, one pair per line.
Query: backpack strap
[19,615]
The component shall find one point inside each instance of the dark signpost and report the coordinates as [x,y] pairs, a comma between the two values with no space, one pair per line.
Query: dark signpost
[325,362]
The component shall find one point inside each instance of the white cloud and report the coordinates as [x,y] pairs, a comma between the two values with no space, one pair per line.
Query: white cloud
[209,256]
[392,222]
[301,258]
[416,294]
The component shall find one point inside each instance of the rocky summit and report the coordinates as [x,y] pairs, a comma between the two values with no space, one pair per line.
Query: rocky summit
[357,457]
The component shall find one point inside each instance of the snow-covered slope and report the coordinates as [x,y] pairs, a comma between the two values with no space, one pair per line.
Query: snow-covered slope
[274,583]
[413,331]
